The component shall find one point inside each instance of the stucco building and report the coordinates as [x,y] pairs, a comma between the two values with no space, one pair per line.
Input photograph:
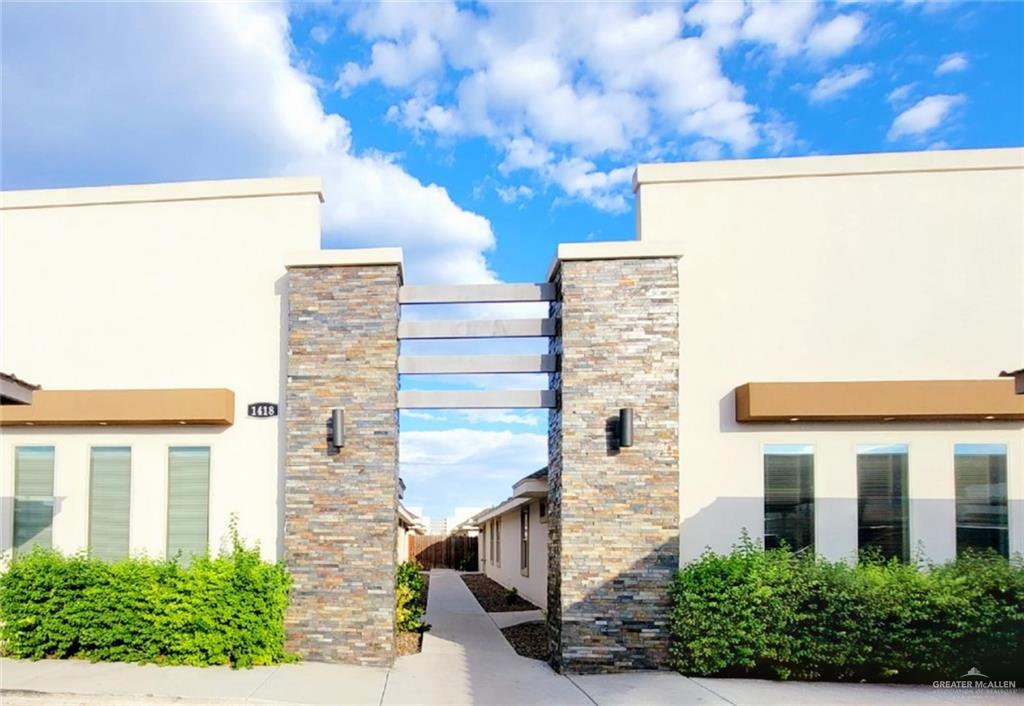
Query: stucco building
[809,348]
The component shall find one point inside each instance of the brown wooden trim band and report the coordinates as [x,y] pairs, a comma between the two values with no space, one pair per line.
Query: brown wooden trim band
[896,400]
[206,407]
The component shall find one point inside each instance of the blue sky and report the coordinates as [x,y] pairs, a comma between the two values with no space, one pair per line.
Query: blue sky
[480,136]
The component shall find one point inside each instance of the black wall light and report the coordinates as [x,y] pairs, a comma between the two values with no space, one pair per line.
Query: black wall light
[625,427]
[338,427]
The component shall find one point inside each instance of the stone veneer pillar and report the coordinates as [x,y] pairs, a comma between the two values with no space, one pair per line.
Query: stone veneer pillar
[613,521]
[341,504]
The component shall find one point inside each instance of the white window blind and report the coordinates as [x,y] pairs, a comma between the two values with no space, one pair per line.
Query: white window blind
[109,501]
[188,501]
[33,497]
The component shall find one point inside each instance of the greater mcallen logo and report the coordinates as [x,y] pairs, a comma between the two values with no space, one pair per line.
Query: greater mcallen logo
[974,679]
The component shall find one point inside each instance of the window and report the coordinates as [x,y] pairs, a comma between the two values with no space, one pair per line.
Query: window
[981,498]
[33,497]
[524,540]
[542,510]
[789,496]
[497,539]
[188,500]
[109,501]
[882,500]
[483,541]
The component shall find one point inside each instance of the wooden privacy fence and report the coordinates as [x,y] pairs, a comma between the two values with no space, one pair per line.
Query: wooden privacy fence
[439,551]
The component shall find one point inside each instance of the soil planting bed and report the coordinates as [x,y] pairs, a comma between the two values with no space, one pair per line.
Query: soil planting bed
[528,639]
[492,596]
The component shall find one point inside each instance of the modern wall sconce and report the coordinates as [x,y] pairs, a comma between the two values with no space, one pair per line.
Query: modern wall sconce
[625,427]
[338,427]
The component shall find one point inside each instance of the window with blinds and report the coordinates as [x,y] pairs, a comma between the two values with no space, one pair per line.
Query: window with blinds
[524,540]
[981,497]
[789,496]
[497,540]
[188,501]
[33,498]
[882,523]
[110,480]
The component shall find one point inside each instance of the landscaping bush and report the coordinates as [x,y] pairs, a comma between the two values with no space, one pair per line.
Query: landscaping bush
[779,615]
[223,610]
[410,597]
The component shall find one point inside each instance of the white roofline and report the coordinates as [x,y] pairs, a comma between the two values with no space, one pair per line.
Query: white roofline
[510,504]
[171,191]
[412,519]
[832,165]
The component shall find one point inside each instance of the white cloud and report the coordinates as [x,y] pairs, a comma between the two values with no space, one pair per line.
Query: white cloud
[524,153]
[210,91]
[836,36]
[952,63]
[484,454]
[720,22]
[839,82]
[515,417]
[511,194]
[780,135]
[782,24]
[321,33]
[581,178]
[423,416]
[924,116]
[901,93]
[497,416]
[559,93]
[705,150]
[393,64]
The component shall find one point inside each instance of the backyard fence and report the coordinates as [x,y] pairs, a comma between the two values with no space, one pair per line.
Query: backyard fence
[439,551]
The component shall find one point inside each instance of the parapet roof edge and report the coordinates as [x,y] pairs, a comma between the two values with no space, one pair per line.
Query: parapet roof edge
[162,192]
[831,165]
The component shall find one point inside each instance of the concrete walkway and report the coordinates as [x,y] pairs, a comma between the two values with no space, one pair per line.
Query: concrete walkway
[465,660]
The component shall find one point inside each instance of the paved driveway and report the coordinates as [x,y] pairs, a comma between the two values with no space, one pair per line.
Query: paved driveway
[465,660]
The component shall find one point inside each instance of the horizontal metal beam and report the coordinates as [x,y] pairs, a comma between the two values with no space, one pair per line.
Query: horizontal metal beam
[483,328]
[477,399]
[476,293]
[445,364]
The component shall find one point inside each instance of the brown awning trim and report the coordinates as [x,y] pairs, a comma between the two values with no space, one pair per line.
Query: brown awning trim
[207,407]
[897,400]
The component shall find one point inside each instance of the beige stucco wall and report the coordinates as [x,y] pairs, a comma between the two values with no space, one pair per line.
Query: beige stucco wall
[878,267]
[155,286]
[534,587]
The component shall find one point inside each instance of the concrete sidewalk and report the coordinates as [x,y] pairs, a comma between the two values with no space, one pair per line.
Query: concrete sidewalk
[465,660]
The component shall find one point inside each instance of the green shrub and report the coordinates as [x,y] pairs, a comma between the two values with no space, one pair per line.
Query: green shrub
[410,597]
[511,596]
[780,615]
[223,610]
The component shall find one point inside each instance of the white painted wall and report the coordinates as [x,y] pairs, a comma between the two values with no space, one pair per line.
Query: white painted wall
[119,287]
[879,267]
[534,587]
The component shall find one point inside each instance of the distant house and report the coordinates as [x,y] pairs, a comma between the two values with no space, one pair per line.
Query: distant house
[408,523]
[13,390]
[513,539]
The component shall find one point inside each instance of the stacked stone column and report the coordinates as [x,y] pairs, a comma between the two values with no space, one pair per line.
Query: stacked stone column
[614,512]
[341,504]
